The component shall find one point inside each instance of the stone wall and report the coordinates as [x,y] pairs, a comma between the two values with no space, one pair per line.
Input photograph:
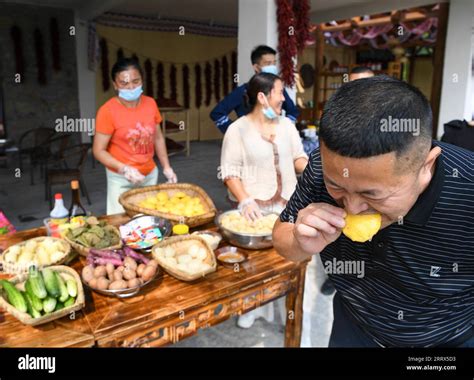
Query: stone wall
[29,104]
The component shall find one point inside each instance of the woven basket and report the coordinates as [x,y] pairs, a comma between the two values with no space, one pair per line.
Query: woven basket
[14,268]
[181,245]
[25,318]
[84,251]
[130,200]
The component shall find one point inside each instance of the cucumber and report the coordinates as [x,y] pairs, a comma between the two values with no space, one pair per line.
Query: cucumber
[71,288]
[62,288]
[15,298]
[51,283]
[35,301]
[59,306]
[29,304]
[70,301]
[49,304]
[37,283]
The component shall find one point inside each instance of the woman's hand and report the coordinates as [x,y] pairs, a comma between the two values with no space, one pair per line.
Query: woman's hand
[170,175]
[131,174]
[249,209]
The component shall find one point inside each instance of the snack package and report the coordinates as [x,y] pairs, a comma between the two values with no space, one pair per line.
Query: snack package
[5,226]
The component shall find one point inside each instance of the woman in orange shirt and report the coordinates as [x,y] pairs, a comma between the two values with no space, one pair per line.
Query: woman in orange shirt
[128,134]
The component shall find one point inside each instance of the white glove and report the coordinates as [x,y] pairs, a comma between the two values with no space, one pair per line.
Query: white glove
[131,174]
[170,175]
[249,209]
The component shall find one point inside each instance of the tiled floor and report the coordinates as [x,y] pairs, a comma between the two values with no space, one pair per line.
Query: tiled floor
[18,199]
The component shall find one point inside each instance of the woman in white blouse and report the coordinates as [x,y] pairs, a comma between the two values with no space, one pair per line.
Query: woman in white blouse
[262,151]
[261,155]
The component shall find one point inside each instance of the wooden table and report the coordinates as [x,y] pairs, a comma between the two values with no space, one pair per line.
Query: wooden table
[167,310]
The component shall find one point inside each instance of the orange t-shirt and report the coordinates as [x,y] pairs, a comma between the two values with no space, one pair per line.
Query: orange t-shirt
[133,131]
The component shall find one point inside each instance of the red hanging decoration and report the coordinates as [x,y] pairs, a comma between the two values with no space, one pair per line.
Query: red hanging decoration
[225,75]
[173,83]
[217,80]
[198,85]
[15,33]
[234,69]
[104,64]
[286,41]
[148,78]
[40,58]
[301,10]
[160,80]
[208,76]
[186,90]
[55,52]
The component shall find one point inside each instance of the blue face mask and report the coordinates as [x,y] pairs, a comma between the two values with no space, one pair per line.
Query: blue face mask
[269,112]
[272,69]
[130,95]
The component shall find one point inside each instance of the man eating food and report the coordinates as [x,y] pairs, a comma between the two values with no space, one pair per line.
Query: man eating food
[377,166]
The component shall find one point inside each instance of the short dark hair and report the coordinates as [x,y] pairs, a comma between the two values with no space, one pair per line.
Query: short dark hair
[360,70]
[123,64]
[351,121]
[261,82]
[260,51]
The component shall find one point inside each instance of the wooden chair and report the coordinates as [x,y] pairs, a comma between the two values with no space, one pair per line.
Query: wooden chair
[73,161]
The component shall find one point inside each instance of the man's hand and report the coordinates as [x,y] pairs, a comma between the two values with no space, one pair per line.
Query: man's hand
[317,226]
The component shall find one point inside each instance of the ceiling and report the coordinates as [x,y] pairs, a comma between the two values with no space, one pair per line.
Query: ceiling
[219,11]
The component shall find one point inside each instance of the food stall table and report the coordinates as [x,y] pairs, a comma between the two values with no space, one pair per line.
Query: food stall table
[167,310]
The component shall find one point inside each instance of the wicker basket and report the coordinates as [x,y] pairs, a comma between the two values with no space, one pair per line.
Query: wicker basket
[14,268]
[84,251]
[130,200]
[27,319]
[181,245]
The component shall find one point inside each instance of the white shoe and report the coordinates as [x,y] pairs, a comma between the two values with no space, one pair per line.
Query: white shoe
[246,320]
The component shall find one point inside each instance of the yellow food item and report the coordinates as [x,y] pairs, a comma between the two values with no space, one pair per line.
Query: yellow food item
[361,228]
[179,204]
[236,222]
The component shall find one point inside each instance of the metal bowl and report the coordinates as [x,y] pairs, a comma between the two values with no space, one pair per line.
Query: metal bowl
[141,221]
[247,241]
[124,293]
[221,252]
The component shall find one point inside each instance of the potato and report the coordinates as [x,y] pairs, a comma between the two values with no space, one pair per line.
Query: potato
[93,282]
[100,271]
[128,262]
[87,273]
[110,268]
[121,268]
[102,283]
[134,282]
[148,273]
[118,275]
[129,274]
[118,285]
[153,263]
[140,269]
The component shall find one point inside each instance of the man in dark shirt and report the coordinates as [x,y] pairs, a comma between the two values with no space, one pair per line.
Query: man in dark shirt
[263,60]
[413,283]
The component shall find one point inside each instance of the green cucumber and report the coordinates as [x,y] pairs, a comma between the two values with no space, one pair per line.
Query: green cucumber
[59,306]
[49,304]
[72,288]
[70,301]
[35,301]
[37,283]
[62,288]
[15,298]
[29,304]
[51,283]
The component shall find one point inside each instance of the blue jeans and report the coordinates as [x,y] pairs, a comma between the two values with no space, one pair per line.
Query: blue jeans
[346,333]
